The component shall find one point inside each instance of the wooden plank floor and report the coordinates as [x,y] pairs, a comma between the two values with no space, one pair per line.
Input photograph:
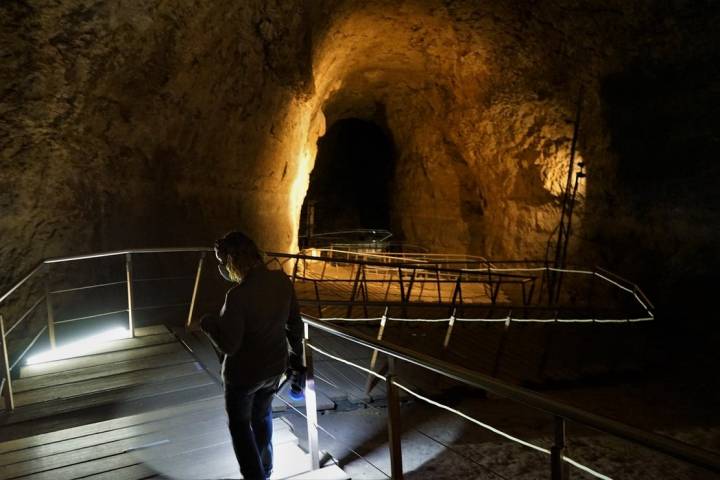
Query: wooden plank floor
[186,441]
[116,374]
[71,418]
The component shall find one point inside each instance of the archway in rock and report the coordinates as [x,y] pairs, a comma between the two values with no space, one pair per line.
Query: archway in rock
[350,185]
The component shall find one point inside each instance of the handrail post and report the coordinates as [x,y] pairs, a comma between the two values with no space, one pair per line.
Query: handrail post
[311,402]
[50,310]
[557,451]
[373,359]
[355,286]
[7,391]
[198,274]
[295,270]
[394,423]
[128,275]
[451,324]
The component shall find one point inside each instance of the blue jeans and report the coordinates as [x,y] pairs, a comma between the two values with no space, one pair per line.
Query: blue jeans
[249,410]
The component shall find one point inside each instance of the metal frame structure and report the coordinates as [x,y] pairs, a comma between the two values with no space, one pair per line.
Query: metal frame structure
[431,270]
[561,413]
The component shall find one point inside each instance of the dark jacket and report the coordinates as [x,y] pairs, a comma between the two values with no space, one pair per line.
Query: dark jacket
[257,323]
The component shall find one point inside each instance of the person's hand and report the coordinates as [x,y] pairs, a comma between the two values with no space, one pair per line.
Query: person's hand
[197,323]
[296,377]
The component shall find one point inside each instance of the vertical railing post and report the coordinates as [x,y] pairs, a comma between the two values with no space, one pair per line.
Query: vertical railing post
[128,275]
[317,298]
[437,276]
[451,324]
[50,310]
[501,347]
[370,383]
[7,390]
[311,403]
[355,286]
[394,423]
[557,451]
[198,274]
[295,270]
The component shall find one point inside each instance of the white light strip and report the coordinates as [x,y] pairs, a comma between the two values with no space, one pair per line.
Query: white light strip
[86,346]
[613,282]
[337,319]
[499,320]
[425,320]
[490,320]
[346,362]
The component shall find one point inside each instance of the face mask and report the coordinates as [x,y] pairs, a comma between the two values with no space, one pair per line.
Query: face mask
[224,273]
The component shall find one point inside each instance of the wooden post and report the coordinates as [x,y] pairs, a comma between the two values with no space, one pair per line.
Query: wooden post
[195,289]
[7,390]
[50,310]
[128,274]
[394,423]
[557,451]
[311,403]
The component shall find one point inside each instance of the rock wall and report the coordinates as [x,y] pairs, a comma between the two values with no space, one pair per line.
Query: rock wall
[131,123]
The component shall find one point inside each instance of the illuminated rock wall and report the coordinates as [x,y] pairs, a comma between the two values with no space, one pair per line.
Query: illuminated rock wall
[128,123]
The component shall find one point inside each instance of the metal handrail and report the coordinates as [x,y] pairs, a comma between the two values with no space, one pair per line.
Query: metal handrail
[494,278]
[688,453]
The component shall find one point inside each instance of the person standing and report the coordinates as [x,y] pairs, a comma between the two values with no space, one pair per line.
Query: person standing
[258,335]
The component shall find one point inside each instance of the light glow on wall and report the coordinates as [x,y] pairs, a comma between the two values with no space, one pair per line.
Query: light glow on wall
[86,346]
[299,187]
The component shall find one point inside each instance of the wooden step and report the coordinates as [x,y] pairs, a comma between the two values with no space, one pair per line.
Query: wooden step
[331,472]
[172,444]
[103,384]
[117,396]
[97,371]
[67,440]
[116,423]
[114,352]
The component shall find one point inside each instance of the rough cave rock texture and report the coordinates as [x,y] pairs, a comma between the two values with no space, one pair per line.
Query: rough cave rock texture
[132,123]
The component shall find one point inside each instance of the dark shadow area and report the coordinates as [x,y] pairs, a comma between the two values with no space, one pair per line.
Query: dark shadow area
[664,121]
[350,184]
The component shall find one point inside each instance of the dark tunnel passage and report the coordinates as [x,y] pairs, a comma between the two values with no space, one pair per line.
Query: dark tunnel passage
[350,186]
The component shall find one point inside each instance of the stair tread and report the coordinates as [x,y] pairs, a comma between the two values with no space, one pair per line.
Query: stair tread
[106,383]
[115,351]
[331,472]
[98,371]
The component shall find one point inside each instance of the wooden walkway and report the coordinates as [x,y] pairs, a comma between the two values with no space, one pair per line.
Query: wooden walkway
[132,409]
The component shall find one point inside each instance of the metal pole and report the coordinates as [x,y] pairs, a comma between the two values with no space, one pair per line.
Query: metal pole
[394,423]
[295,269]
[373,359]
[437,276]
[195,289]
[557,451]
[50,310]
[128,274]
[356,283]
[311,403]
[449,330]
[7,391]
[317,297]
